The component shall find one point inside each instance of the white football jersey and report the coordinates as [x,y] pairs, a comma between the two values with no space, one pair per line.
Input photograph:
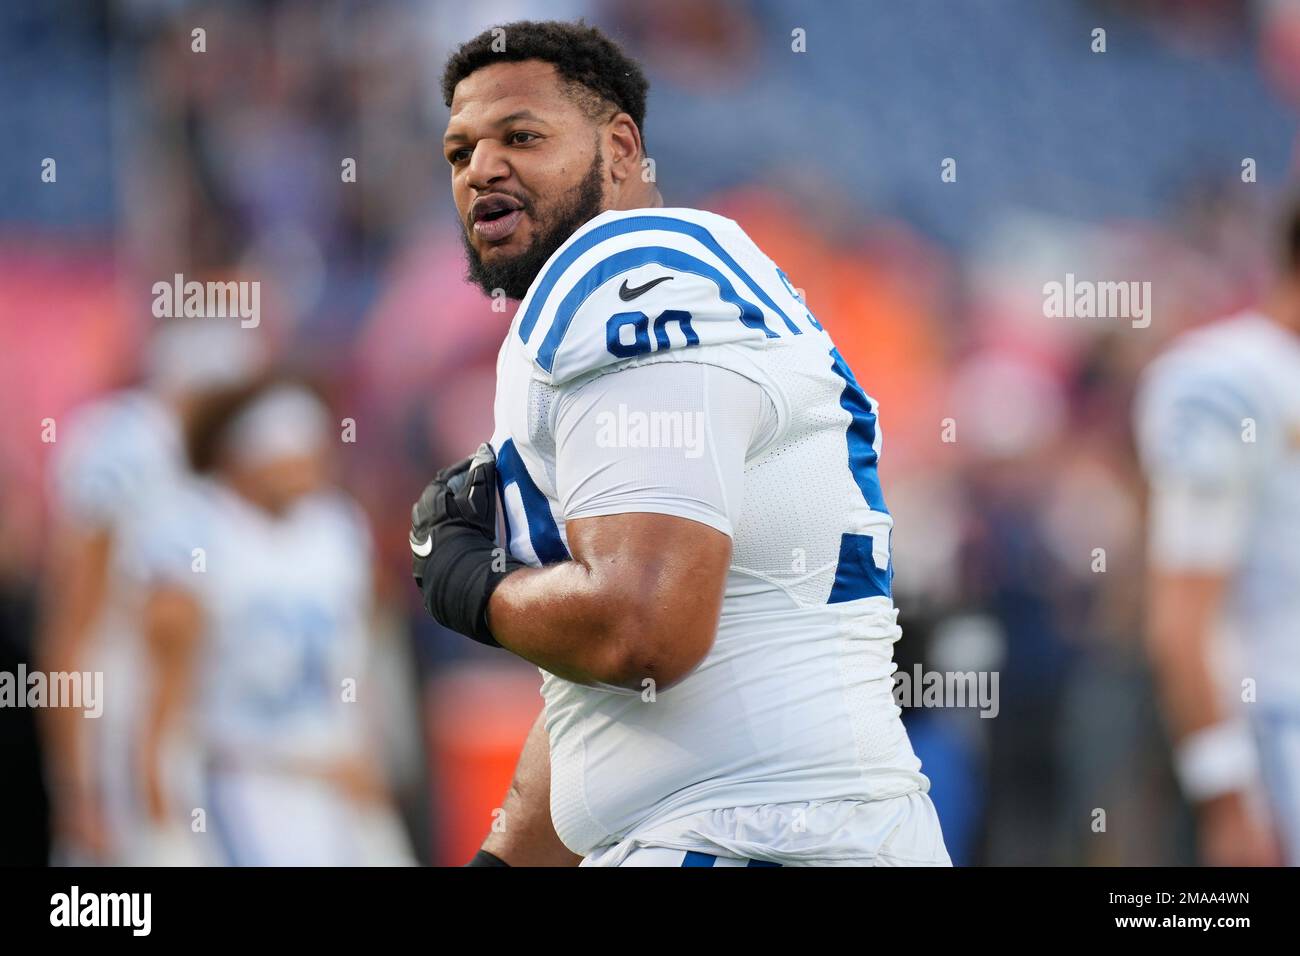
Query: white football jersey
[285,603]
[116,452]
[794,701]
[1218,426]
[120,456]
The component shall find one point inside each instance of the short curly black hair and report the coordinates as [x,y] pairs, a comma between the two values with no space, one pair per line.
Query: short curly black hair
[594,66]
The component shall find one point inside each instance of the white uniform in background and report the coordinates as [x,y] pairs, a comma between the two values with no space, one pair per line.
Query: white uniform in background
[1218,424]
[661,363]
[279,680]
[119,457]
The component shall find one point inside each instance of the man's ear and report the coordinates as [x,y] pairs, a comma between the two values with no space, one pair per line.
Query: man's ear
[624,146]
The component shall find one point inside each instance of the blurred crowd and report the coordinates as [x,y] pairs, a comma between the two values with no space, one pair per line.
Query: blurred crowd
[1008,458]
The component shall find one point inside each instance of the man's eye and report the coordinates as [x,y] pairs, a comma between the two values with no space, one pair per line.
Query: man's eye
[458,156]
[518,139]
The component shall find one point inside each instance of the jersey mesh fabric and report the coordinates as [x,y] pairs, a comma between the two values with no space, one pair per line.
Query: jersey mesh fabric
[796,544]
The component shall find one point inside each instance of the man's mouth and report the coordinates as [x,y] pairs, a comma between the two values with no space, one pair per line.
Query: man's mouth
[495,217]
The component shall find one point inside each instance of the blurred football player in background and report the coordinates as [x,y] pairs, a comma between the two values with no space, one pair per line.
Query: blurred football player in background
[122,455]
[1218,425]
[258,616]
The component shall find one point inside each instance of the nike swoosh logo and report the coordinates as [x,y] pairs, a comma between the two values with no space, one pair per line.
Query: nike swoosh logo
[423,548]
[628,294]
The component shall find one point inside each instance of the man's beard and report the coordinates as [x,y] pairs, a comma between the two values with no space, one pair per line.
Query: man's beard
[514,275]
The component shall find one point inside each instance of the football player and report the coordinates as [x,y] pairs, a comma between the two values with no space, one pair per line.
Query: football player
[258,579]
[697,548]
[122,455]
[1218,425]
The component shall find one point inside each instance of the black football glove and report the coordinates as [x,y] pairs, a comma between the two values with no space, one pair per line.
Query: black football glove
[454,556]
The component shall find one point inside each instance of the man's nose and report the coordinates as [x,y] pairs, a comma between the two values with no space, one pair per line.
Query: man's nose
[487,164]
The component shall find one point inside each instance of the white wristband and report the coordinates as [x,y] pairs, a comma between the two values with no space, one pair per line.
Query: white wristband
[1216,760]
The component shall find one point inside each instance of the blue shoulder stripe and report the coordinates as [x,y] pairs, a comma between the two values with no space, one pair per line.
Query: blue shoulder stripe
[1218,391]
[1195,410]
[750,314]
[636,224]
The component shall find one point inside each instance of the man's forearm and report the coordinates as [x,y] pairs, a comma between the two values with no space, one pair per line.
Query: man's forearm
[173,622]
[638,601]
[1182,610]
[527,836]
[1214,753]
[69,615]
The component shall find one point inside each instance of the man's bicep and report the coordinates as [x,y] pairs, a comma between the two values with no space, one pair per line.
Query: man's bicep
[650,465]
[75,587]
[678,546]
[668,573]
